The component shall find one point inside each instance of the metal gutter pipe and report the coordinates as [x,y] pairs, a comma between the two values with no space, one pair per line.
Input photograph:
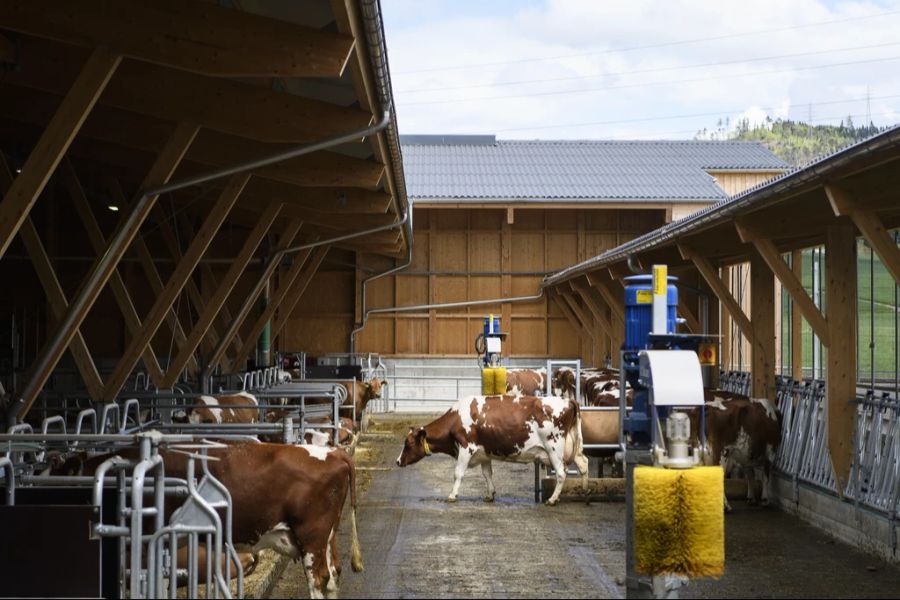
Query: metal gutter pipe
[117,245]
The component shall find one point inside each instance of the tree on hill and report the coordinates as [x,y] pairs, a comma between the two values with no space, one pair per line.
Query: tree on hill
[795,142]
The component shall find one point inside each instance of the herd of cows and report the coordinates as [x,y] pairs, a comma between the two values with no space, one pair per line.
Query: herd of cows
[290,498]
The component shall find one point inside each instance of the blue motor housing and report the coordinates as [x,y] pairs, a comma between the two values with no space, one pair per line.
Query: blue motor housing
[491,327]
[639,310]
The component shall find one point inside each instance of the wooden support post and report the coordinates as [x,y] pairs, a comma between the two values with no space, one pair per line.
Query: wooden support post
[176,283]
[718,287]
[726,324]
[840,377]
[216,302]
[150,271]
[869,225]
[56,297]
[117,284]
[772,257]
[432,283]
[300,285]
[285,284]
[53,143]
[166,162]
[762,317]
[796,321]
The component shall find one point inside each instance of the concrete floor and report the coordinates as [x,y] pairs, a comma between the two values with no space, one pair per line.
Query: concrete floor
[417,545]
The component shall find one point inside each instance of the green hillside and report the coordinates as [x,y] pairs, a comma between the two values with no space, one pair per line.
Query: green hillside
[794,141]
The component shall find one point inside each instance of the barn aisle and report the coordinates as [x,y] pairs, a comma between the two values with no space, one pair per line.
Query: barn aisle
[417,545]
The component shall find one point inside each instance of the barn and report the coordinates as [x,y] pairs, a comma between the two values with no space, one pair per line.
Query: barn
[237,292]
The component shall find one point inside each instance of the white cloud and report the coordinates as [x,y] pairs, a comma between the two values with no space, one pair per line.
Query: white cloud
[434,34]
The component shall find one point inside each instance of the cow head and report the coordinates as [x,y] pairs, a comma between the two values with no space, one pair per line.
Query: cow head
[415,447]
[373,387]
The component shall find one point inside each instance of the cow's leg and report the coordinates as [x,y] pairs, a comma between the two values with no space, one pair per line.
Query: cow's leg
[762,473]
[749,476]
[331,588]
[462,463]
[726,467]
[318,576]
[559,467]
[488,473]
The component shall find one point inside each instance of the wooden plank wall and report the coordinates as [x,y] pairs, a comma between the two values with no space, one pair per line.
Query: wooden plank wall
[474,254]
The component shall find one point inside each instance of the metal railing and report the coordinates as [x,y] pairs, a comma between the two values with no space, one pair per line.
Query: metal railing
[148,547]
[803,454]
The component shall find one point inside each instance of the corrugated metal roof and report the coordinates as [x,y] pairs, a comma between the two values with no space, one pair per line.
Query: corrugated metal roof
[817,171]
[482,168]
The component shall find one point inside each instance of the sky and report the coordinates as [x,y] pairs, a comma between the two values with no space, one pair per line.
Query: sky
[638,69]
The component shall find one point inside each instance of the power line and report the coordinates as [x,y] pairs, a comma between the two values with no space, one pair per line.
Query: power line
[694,115]
[642,71]
[694,130]
[650,46]
[654,83]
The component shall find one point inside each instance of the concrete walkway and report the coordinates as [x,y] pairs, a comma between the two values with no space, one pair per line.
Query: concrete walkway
[417,545]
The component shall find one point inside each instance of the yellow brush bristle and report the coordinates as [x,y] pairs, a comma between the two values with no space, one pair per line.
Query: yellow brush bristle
[679,521]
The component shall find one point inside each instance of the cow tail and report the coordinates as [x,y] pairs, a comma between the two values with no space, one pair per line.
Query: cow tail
[356,560]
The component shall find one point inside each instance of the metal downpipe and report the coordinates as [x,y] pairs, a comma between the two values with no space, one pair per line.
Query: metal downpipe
[66,328]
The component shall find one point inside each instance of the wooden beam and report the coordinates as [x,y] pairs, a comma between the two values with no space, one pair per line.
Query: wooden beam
[762,316]
[568,314]
[217,302]
[56,297]
[176,283]
[616,305]
[274,302]
[582,317]
[869,225]
[299,288]
[54,141]
[249,111]
[149,267]
[772,257]
[719,288]
[690,320]
[194,36]
[339,199]
[591,301]
[294,284]
[100,272]
[286,237]
[604,328]
[210,149]
[796,322]
[840,378]
[117,284]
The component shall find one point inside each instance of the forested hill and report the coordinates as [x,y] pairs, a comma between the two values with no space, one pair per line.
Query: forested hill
[794,141]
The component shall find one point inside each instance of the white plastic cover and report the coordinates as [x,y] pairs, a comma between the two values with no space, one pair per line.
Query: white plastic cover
[674,377]
[493,345]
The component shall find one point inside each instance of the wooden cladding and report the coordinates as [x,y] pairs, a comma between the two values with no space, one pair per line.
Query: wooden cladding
[474,254]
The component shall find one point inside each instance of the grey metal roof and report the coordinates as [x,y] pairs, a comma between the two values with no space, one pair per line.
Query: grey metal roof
[817,171]
[454,168]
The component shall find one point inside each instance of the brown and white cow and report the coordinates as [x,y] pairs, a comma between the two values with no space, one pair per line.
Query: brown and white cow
[284,497]
[361,393]
[236,408]
[480,429]
[526,382]
[742,432]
